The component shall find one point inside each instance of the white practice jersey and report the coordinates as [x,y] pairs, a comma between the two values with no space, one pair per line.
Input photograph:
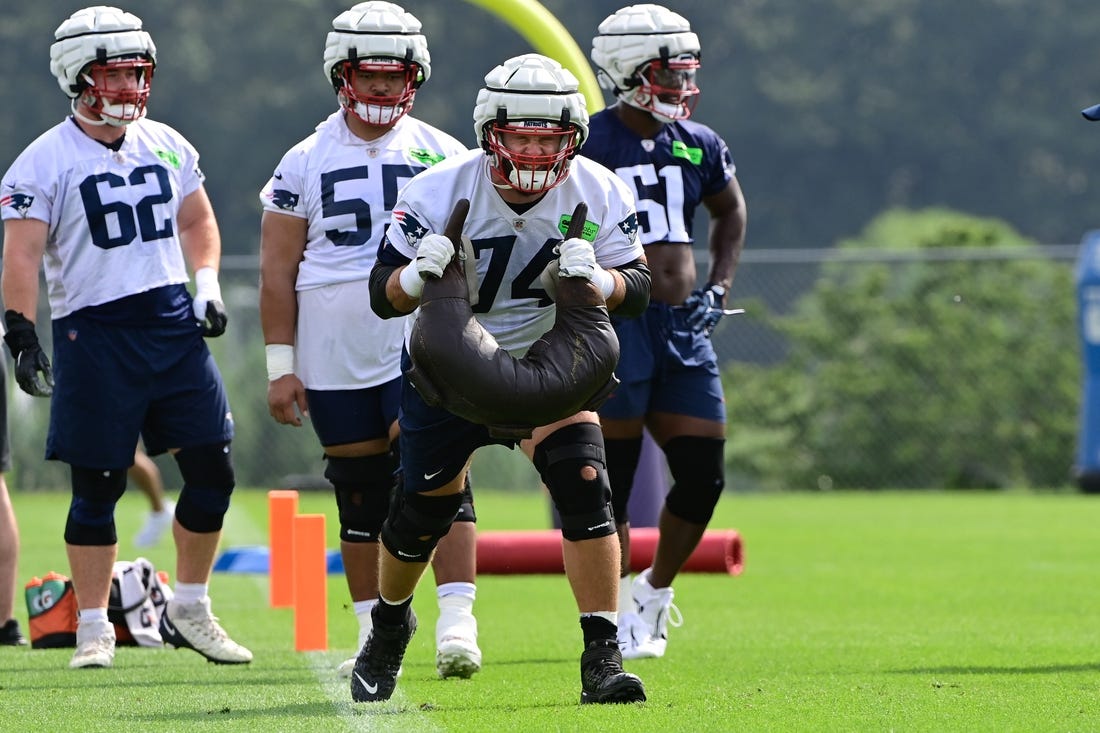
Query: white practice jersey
[345,187]
[513,249]
[111,215]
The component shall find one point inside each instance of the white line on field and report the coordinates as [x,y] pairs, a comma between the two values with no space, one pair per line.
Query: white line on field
[394,715]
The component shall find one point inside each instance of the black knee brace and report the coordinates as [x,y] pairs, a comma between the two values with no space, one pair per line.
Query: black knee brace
[91,520]
[416,523]
[584,505]
[466,512]
[363,485]
[208,481]
[622,463]
[698,467]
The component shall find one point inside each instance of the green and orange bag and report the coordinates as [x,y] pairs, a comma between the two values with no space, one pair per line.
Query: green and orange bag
[51,606]
[139,593]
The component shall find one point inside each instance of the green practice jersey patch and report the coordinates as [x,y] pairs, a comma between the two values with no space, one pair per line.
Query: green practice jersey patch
[680,150]
[426,157]
[591,228]
[170,157]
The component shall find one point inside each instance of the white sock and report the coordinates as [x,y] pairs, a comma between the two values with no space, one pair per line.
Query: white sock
[92,615]
[188,593]
[362,612]
[607,615]
[460,590]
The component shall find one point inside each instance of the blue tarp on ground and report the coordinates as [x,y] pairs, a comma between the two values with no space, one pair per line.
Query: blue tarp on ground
[256,559]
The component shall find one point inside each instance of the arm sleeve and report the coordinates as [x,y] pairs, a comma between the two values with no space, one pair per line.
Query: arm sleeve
[387,262]
[637,277]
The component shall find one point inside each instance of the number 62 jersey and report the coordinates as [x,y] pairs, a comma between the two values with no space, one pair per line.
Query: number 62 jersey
[111,213]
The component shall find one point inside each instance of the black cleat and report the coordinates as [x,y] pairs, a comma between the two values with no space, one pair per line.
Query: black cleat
[603,679]
[376,668]
[10,635]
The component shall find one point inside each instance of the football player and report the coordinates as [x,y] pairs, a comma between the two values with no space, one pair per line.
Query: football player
[647,57]
[522,187]
[114,203]
[325,209]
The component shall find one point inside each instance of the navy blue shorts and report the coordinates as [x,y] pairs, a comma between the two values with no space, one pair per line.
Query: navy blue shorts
[435,443]
[114,383]
[664,366]
[342,416]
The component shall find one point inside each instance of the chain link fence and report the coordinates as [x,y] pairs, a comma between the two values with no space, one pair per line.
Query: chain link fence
[769,284]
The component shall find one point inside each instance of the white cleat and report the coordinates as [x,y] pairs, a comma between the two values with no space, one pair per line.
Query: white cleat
[457,653]
[156,524]
[95,645]
[193,626]
[656,612]
[634,637]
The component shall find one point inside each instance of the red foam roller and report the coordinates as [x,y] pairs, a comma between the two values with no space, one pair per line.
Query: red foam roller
[539,551]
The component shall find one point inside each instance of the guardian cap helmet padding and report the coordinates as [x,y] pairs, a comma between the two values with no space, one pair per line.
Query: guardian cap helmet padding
[382,37]
[93,44]
[646,55]
[531,95]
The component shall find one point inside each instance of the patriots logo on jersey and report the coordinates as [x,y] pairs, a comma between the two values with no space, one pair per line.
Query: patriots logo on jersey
[284,199]
[412,228]
[629,226]
[21,202]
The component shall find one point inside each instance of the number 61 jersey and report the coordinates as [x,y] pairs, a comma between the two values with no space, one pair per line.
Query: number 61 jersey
[111,213]
[670,174]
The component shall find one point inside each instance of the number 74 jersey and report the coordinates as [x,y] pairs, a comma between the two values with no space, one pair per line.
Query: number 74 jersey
[111,213]
[511,248]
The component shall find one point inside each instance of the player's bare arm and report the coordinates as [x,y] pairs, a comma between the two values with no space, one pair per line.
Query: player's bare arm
[282,245]
[728,219]
[24,244]
[198,231]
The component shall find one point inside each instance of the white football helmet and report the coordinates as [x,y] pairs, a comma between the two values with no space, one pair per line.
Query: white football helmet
[647,56]
[531,95]
[93,44]
[382,37]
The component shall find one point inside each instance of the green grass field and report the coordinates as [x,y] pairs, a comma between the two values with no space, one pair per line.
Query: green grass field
[856,612]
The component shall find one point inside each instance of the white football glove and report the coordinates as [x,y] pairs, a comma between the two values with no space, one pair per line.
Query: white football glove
[576,258]
[433,254]
[208,306]
[206,290]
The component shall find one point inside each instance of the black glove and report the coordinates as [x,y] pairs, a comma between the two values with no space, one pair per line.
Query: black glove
[216,319]
[29,358]
[707,308]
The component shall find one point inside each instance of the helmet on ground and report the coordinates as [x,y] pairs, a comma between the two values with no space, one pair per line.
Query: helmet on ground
[646,55]
[535,97]
[93,47]
[377,37]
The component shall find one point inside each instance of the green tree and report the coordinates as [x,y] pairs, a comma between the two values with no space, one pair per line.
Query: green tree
[917,368]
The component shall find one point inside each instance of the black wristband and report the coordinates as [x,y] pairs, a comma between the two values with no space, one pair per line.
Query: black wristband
[20,333]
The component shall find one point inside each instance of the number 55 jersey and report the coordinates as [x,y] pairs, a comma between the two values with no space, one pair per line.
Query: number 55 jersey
[346,188]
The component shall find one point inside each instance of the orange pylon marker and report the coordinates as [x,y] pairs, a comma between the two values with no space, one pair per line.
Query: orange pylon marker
[282,507]
[310,584]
